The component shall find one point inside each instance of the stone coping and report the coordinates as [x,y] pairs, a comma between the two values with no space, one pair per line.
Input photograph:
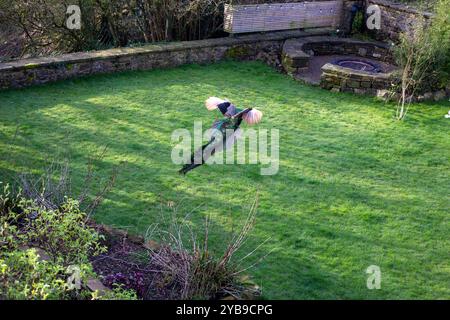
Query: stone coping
[157,48]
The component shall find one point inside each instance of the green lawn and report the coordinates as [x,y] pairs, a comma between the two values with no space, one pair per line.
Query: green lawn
[355,187]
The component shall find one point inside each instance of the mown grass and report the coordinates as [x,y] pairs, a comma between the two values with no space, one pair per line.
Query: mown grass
[355,187]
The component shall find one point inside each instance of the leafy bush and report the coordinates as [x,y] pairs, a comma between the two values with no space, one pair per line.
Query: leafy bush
[423,55]
[117,293]
[10,237]
[63,234]
[24,276]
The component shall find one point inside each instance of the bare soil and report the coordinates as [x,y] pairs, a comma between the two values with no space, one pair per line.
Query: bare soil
[128,263]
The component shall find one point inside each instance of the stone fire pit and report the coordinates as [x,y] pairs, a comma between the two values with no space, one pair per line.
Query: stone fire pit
[350,79]
[340,64]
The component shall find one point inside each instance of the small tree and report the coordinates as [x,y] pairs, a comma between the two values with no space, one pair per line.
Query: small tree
[423,55]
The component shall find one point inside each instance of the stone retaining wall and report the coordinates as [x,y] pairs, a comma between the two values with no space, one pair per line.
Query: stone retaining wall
[266,47]
[396,18]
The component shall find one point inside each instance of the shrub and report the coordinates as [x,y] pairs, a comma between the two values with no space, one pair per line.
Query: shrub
[63,234]
[423,56]
[117,293]
[193,271]
[24,276]
[10,217]
[358,23]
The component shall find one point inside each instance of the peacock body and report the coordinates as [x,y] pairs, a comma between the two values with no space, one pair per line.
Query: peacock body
[224,131]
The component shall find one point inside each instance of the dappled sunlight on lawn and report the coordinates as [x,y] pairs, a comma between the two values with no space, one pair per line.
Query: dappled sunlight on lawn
[354,187]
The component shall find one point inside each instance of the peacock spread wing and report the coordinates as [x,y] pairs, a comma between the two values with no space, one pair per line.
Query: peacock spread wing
[250,115]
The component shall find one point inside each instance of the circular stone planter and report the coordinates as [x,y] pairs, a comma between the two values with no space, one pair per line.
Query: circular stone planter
[347,64]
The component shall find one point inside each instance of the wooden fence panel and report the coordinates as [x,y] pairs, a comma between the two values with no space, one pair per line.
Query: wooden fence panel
[282,16]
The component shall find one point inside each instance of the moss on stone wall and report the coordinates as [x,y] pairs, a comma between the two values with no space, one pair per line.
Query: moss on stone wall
[237,52]
[31,65]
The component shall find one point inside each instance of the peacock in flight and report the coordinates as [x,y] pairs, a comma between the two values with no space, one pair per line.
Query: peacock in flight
[224,131]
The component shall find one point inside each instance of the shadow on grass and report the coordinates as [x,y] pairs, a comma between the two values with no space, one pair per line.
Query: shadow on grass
[354,187]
